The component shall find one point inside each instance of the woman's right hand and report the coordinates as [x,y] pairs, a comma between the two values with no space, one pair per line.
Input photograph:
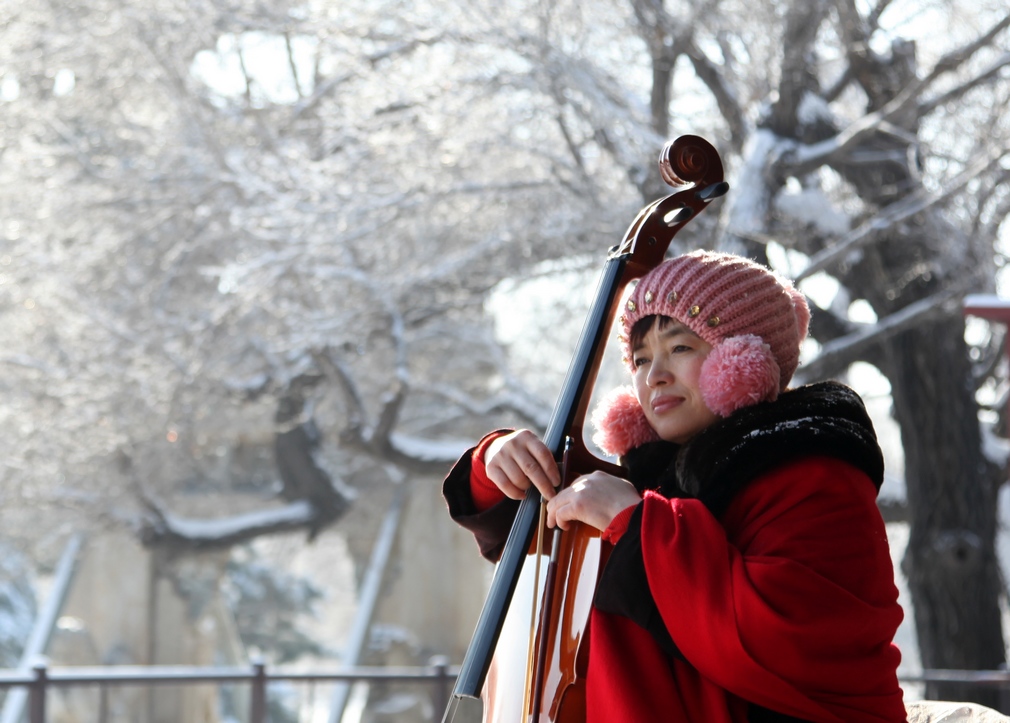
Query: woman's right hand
[517,460]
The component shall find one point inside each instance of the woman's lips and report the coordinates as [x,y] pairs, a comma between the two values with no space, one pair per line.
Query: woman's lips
[665,403]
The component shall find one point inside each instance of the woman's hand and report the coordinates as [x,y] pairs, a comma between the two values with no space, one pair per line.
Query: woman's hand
[518,460]
[595,499]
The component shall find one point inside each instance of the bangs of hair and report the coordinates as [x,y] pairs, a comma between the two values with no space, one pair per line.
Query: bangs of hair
[644,325]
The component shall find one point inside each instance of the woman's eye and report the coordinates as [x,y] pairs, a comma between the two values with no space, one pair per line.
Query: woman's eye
[639,361]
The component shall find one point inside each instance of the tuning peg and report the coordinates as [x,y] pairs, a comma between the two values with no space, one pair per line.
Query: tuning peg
[713,191]
[680,215]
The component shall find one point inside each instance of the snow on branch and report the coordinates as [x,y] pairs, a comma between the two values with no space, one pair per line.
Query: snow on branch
[165,529]
[440,452]
[867,232]
[839,353]
[805,158]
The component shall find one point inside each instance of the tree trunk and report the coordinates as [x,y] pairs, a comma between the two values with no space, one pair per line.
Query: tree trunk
[952,570]
[950,562]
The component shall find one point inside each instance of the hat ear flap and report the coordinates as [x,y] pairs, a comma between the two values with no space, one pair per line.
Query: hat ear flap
[738,372]
[620,423]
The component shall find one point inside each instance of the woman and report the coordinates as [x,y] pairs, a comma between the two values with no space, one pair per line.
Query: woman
[750,578]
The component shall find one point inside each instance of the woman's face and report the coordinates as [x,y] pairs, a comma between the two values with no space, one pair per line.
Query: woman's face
[668,363]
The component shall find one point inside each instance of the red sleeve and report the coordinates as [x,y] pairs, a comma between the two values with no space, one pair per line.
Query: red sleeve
[484,492]
[619,525]
[789,600]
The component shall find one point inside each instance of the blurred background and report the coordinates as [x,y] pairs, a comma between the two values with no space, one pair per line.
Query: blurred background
[267,269]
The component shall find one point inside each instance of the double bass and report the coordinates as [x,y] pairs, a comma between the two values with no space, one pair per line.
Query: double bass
[526,661]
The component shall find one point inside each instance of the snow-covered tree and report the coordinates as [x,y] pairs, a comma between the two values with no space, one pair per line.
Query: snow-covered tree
[240,234]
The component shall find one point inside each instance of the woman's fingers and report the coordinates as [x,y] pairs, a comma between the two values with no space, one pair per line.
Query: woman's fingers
[594,499]
[517,460]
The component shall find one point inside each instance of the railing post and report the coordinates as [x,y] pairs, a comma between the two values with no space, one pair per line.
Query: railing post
[441,697]
[37,693]
[258,704]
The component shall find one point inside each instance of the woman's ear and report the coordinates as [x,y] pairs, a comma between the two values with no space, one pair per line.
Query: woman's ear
[620,423]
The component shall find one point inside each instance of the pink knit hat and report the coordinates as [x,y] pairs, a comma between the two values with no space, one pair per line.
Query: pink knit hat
[754,320]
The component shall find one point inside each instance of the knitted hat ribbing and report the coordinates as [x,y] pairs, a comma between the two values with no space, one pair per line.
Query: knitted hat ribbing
[754,320]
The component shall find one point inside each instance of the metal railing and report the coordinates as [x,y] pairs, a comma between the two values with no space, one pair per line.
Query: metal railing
[991,678]
[41,677]
[439,674]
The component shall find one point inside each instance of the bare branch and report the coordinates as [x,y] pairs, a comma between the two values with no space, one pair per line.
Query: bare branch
[873,20]
[291,65]
[339,373]
[573,148]
[245,72]
[803,20]
[954,93]
[725,97]
[956,58]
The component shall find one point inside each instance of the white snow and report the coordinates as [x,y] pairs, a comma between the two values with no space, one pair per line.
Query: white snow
[223,527]
[430,450]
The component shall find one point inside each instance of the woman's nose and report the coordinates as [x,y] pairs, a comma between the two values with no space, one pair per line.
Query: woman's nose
[658,375]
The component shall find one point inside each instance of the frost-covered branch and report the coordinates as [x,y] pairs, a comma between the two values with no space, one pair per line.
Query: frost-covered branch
[805,158]
[837,354]
[404,47]
[867,232]
[323,89]
[184,98]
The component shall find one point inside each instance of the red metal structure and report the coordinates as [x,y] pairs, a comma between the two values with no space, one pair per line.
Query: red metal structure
[994,309]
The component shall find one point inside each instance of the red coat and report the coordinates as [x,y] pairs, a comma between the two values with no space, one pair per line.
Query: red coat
[767,595]
[768,607]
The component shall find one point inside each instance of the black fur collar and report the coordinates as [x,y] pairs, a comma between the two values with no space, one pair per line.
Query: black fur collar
[826,418]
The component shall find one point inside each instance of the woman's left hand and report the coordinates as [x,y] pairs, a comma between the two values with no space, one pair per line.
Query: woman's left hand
[594,499]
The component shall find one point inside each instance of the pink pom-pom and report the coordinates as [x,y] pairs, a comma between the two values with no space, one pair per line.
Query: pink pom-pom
[620,423]
[738,372]
[802,310]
